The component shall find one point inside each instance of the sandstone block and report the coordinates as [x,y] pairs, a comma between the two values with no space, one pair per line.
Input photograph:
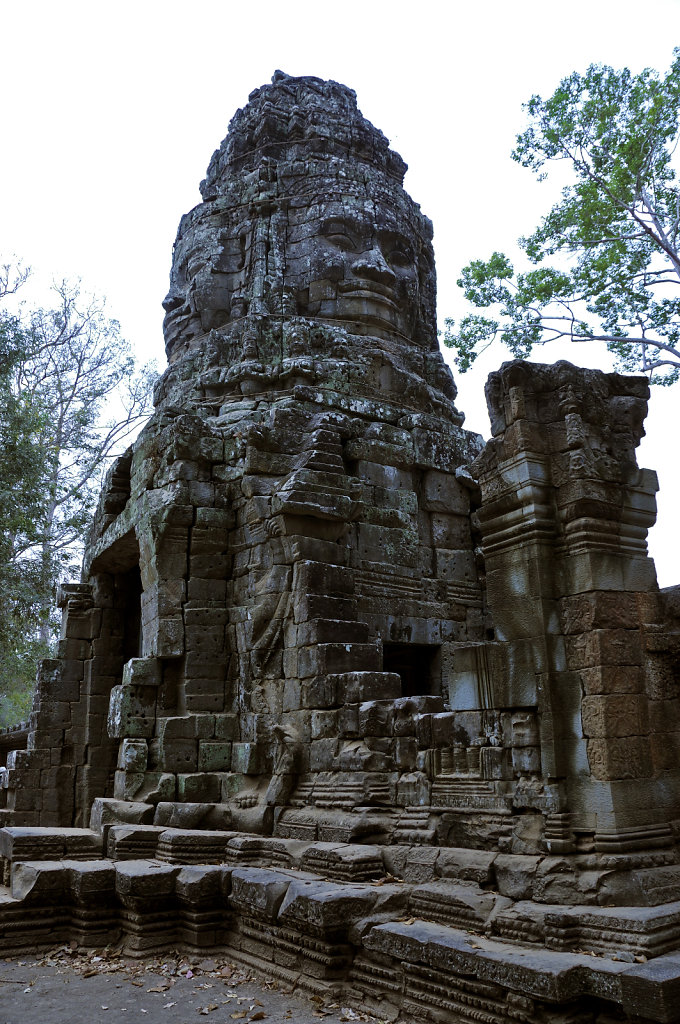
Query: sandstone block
[611,715]
[198,787]
[626,757]
[515,875]
[321,754]
[604,647]
[320,578]
[599,610]
[324,724]
[325,659]
[132,756]
[259,890]
[131,711]
[376,718]
[356,687]
[606,679]
[214,756]
[245,758]
[144,880]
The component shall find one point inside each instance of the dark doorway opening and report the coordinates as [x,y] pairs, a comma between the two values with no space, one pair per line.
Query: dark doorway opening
[416,664]
[129,600]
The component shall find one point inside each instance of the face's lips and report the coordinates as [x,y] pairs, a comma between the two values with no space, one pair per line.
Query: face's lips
[378,294]
[367,286]
[177,318]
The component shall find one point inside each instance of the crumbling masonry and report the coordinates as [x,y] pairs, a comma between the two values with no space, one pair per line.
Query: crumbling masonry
[367,702]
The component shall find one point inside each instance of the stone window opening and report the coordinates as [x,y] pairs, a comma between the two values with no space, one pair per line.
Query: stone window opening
[418,665]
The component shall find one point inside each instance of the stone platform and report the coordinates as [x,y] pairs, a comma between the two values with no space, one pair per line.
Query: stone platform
[435,934]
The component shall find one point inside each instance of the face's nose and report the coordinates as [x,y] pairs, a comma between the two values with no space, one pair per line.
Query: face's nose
[172,301]
[373,266]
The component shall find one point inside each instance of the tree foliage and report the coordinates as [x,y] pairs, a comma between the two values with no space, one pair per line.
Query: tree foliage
[22,482]
[613,236]
[70,394]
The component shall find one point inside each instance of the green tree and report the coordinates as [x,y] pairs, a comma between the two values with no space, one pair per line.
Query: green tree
[613,234]
[22,484]
[81,368]
[70,396]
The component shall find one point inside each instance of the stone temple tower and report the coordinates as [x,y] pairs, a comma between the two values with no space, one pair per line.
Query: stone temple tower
[282,562]
[326,636]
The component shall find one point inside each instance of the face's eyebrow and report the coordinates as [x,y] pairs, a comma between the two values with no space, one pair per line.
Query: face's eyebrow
[347,221]
[396,237]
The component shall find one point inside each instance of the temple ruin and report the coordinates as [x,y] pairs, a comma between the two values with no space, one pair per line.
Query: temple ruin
[345,691]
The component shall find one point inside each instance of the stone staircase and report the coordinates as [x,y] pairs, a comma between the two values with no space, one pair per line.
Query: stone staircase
[408,929]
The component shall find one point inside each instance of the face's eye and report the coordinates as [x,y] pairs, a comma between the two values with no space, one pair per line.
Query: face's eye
[397,249]
[340,234]
[194,265]
[400,257]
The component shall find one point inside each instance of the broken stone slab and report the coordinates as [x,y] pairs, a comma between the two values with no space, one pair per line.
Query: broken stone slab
[647,887]
[42,881]
[546,975]
[458,905]
[325,908]
[259,892]
[652,990]
[639,931]
[466,865]
[106,812]
[265,851]
[197,884]
[193,815]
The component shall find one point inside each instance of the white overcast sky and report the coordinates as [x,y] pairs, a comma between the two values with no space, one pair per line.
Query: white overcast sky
[110,113]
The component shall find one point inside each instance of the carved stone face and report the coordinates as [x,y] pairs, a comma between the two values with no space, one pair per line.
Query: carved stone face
[359,262]
[355,263]
[209,276]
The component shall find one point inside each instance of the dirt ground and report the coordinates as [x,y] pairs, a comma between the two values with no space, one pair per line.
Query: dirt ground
[68,987]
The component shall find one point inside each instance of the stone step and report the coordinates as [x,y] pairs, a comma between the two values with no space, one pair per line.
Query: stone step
[411,837]
[22,843]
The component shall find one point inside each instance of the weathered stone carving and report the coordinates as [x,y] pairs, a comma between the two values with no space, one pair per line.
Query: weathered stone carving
[324,630]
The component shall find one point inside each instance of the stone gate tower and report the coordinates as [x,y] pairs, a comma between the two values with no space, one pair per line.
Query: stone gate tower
[323,627]
[283,561]
[284,627]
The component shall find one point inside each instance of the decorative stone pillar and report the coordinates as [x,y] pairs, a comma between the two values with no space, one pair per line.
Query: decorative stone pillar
[564,516]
